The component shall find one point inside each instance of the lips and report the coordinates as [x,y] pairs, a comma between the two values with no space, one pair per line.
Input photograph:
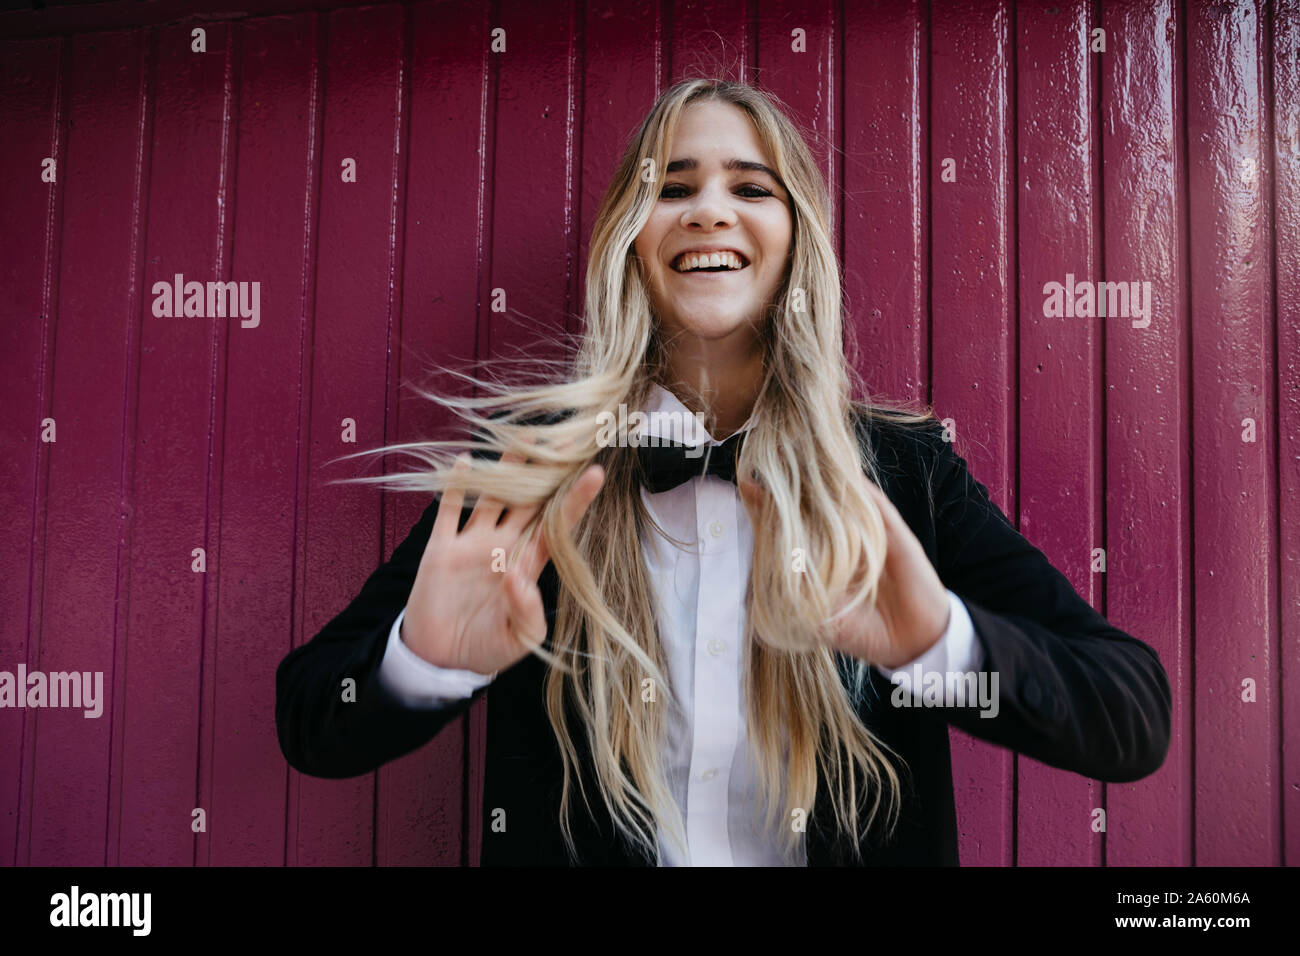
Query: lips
[720,260]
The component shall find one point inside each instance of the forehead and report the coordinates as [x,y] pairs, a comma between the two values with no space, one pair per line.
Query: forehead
[709,128]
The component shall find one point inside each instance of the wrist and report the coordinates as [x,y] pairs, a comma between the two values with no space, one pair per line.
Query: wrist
[416,648]
[927,640]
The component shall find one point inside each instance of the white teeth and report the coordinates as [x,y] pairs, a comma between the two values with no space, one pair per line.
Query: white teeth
[709,260]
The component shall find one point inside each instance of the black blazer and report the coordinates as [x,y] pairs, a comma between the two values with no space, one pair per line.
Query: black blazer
[1075,692]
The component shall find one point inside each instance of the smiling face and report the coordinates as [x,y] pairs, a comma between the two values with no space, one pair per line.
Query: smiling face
[720,199]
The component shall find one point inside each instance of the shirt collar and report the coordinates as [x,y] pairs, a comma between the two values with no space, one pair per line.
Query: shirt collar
[662,400]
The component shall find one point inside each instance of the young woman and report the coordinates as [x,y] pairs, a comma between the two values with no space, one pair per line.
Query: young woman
[738,654]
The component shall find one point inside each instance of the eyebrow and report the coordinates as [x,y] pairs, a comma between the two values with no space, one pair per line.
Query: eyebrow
[678,165]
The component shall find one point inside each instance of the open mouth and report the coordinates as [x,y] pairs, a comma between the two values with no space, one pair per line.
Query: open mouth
[710,262]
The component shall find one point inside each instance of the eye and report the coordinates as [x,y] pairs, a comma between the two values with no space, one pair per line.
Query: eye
[749,191]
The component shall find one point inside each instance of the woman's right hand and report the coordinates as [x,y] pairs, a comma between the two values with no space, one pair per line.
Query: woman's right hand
[462,614]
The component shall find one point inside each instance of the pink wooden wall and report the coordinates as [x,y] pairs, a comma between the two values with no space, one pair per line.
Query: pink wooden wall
[1173,157]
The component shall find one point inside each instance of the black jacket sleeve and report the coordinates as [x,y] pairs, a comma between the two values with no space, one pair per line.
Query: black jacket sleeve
[320,732]
[1074,691]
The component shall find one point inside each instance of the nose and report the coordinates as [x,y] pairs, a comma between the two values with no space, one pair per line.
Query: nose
[709,208]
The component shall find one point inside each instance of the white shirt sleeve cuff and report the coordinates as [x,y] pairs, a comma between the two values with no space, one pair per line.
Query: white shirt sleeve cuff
[957,651]
[416,682]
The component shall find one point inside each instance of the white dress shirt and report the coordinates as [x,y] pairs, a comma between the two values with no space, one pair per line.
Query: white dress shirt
[709,770]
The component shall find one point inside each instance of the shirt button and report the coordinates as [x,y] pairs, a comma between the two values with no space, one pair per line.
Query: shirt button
[715,529]
[709,775]
[716,647]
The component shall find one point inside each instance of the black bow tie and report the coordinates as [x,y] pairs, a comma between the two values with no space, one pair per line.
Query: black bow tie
[667,465]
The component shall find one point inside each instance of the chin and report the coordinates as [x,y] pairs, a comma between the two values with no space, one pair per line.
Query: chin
[714,330]
[713,326]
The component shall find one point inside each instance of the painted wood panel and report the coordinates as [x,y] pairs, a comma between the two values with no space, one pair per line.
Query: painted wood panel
[972,325]
[1148,570]
[976,150]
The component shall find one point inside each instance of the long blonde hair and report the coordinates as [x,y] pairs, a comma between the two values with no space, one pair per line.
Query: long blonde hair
[803,449]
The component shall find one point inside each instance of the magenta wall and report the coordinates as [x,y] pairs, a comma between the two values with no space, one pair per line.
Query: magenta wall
[1173,158]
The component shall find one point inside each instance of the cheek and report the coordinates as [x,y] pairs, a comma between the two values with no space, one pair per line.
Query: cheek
[643,245]
[776,237]
[650,238]
[777,246]
[774,269]
[647,266]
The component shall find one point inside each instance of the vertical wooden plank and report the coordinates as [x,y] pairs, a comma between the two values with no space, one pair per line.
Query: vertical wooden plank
[624,45]
[711,38]
[31,114]
[398,805]
[422,797]
[530,189]
[82,617]
[1237,742]
[797,52]
[173,441]
[311,236]
[353,322]
[973,259]
[1286,315]
[886,194]
[528,237]
[476,720]
[1148,535]
[272,224]
[1060,393]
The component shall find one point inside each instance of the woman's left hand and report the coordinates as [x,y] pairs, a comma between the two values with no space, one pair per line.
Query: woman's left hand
[911,610]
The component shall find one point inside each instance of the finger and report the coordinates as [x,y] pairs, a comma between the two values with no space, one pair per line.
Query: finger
[838,633]
[448,518]
[580,496]
[877,492]
[753,494]
[526,614]
[520,515]
[487,510]
[888,510]
[486,513]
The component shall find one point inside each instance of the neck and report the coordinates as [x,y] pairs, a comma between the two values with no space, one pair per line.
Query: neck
[727,380]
